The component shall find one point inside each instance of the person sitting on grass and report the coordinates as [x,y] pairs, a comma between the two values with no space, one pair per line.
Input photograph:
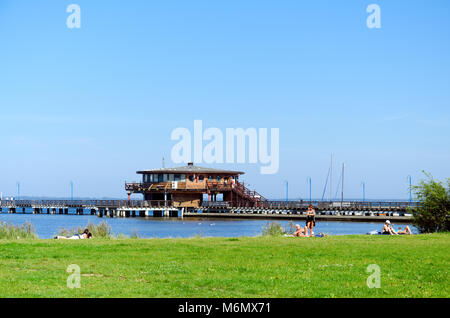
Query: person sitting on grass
[407,230]
[300,232]
[388,229]
[85,235]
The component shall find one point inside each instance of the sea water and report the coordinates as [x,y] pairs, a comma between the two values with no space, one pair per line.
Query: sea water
[48,225]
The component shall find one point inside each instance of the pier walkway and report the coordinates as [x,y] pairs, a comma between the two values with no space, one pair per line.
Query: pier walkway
[332,211]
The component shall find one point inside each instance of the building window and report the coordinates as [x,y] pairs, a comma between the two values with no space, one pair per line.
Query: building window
[210,178]
[183,177]
[191,178]
[201,178]
[177,177]
[171,177]
[218,178]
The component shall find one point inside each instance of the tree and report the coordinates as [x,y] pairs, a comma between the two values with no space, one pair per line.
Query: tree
[433,215]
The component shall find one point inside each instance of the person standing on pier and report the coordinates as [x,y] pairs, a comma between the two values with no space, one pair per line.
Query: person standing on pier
[310,220]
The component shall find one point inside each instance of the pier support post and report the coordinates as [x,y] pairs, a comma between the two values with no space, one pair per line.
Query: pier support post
[109,213]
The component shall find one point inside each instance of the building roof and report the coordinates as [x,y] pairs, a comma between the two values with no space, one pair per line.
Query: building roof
[190,168]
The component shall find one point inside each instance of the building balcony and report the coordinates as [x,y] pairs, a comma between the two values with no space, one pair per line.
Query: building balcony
[140,187]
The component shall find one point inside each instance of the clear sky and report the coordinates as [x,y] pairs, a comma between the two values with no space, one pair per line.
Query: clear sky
[95,104]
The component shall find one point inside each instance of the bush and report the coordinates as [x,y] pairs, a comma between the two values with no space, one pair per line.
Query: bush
[15,232]
[101,230]
[290,228]
[134,234]
[122,236]
[273,229]
[433,215]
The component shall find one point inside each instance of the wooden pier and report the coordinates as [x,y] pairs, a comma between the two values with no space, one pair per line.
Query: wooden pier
[330,211]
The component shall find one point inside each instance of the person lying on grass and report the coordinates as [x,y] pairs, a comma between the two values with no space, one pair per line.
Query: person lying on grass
[407,230]
[388,229]
[300,232]
[85,235]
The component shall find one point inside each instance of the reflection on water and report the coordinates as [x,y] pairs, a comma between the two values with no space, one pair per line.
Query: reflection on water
[48,226]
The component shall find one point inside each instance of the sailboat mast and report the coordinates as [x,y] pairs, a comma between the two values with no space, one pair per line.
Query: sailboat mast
[331,176]
[342,193]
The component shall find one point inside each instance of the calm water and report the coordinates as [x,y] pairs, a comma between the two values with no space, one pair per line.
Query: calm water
[48,226]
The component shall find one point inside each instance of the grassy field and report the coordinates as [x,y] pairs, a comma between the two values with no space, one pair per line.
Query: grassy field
[411,266]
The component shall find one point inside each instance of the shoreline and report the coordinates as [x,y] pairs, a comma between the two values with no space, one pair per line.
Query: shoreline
[287,217]
[126,237]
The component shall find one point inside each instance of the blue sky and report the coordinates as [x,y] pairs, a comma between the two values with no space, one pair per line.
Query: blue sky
[95,104]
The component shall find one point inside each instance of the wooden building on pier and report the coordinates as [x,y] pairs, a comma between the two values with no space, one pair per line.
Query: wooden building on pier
[185,186]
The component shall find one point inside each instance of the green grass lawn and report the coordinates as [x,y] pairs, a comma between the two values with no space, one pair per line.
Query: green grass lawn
[335,266]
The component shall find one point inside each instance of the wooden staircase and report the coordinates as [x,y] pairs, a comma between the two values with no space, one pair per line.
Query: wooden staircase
[248,197]
[241,195]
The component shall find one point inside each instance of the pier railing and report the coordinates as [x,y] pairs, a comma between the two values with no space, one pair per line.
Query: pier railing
[318,205]
[355,205]
[86,203]
[324,205]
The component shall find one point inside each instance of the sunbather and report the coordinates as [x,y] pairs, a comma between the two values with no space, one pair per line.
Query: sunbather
[300,232]
[85,235]
[388,229]
[407,230]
